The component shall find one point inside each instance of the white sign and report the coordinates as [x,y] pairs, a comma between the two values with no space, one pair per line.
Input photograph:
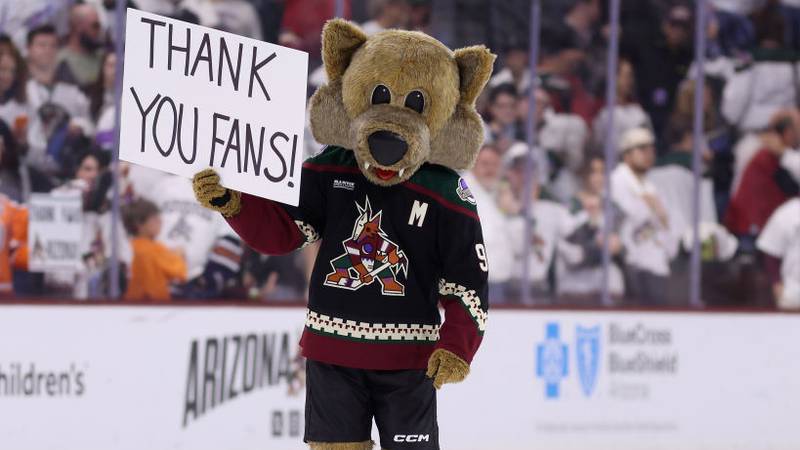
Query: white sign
[194,97]
[163,377]
[55,230]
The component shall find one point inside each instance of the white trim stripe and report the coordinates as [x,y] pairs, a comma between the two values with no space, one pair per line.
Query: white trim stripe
[371,331]
[469,298]
[308,231]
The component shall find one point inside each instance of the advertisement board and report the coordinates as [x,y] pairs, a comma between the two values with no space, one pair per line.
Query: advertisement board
[163,377]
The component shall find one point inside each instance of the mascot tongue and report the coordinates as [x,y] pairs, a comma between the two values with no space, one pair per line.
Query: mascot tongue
[385,174]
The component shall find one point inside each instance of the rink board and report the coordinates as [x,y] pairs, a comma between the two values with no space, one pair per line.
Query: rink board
[165,377]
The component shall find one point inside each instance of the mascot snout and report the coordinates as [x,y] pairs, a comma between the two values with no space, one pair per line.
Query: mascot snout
[386,147]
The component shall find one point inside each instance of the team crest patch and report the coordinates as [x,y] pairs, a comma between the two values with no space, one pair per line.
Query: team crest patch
[369,256]
[464,193]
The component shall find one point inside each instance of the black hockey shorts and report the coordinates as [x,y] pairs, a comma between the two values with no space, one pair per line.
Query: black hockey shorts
[341,403]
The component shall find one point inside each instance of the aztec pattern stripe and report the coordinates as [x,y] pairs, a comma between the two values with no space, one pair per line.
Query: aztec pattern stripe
[309,233]
[387,332]
[469,298]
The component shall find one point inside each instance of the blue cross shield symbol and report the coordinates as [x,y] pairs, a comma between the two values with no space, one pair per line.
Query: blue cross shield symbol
[551,360]
[587,352]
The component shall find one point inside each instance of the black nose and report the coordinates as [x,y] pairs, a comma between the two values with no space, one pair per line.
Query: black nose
[386,147]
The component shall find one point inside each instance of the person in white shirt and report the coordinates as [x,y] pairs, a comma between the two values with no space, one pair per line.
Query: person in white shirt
[186,224]
[645,229]
[580,264]
[484,183]
[628,113]
[552,223]
[780,241]
[57,110]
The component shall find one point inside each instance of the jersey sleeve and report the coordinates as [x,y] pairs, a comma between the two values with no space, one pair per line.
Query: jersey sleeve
[463,286]
[273,228]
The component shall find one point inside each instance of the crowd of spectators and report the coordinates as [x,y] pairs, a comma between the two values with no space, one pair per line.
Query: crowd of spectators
[57,110]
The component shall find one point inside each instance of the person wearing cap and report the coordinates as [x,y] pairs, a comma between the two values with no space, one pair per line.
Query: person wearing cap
[644,230]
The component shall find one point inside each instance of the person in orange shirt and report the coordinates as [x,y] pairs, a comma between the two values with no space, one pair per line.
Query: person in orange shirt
[154,265]
[13,241]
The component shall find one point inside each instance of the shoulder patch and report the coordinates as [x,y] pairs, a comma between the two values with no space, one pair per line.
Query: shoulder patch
[464,193]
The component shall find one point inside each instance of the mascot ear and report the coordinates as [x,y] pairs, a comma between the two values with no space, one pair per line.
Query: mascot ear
[457,144]
[330,123]
[340,39]
[474,68]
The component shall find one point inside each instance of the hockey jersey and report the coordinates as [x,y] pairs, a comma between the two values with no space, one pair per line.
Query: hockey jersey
[388,257]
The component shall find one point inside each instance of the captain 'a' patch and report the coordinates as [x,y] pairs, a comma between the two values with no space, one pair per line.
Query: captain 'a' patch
[369,256]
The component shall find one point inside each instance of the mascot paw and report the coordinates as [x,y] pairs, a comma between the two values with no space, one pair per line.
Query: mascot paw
[214,196]
[446,367]
[365,445]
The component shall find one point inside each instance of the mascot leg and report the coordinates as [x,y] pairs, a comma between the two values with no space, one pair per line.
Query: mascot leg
[366,445]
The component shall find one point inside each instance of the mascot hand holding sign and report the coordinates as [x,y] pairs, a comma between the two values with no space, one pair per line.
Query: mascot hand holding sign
[399,229]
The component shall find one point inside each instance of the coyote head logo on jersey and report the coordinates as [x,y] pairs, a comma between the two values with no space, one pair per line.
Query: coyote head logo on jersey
[369,256]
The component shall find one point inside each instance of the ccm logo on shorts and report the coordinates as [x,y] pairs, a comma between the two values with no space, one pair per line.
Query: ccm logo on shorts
[412,438]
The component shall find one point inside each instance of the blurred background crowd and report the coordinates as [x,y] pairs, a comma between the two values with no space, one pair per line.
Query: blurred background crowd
[57,109]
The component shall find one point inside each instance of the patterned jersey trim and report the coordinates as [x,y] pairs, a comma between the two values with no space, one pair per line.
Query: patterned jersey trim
[309,233]
[364,331]
[469,298]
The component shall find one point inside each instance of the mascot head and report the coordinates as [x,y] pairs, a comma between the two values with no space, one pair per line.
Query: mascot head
[399,99]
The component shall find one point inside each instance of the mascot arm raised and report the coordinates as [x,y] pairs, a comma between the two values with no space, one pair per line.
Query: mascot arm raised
[263,224]
[463,290]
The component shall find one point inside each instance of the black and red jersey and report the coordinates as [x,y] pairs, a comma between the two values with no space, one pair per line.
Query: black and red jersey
[389,256]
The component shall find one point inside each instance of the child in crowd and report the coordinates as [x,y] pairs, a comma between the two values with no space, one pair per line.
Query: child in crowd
[154,265]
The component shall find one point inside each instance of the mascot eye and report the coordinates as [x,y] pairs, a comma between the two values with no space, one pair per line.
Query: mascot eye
[415,101]
[381,94]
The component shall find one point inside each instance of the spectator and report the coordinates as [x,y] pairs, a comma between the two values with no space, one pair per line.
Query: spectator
[238,17]
[13,241]
[645,233]
[484,183]
[302,25]
[82,55]
[662,62]
[765,185]
[58,111]
[17,181]
[13,98]
[102,103]
[559,66]
[748,102]
[515,69]
[580,267]
[385,14]
[502,128]
[736,34]
[154,265]
[186,224]
[780,242]
[628,112]
[552,223]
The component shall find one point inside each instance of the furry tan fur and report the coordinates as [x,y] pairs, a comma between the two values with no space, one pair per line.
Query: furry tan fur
[447,132]
[445,367]
[211,194]
[365,445]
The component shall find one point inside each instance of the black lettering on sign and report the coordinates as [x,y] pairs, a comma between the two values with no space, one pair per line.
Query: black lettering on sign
[255,76]
[205,45]
[223,51]
[180,139]
[144,112]
[165,99]
[233,144]
[250,151]
[176,48]
[250,366]
[231,384]
[214,139]
[153,24]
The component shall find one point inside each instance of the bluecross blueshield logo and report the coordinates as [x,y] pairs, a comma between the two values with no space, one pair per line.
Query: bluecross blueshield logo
[551,360]
[587,352]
